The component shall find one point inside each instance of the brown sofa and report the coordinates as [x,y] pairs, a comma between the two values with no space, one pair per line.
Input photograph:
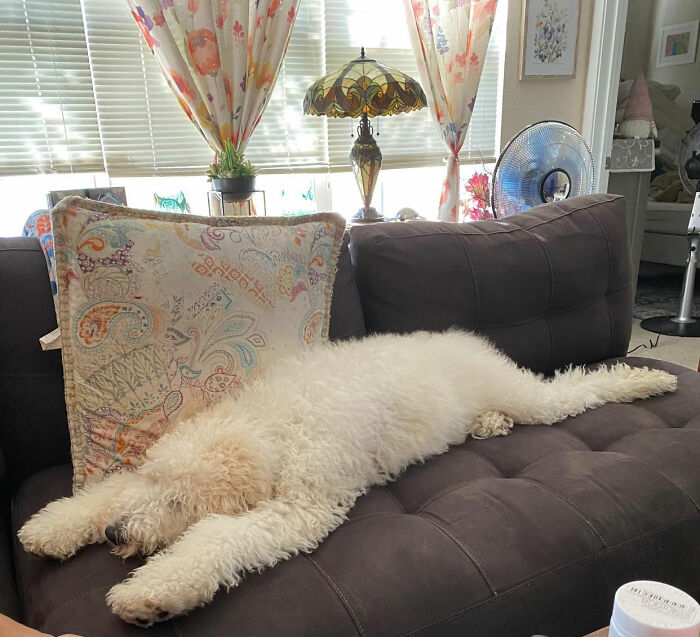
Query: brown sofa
[530,533]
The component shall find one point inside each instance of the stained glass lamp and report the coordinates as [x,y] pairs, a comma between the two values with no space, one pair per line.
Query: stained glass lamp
[364,88]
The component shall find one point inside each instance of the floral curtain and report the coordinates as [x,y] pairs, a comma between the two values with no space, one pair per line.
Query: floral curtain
[450,38]
[220,57]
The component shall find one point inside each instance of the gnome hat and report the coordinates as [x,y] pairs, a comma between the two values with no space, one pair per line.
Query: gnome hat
[639,107]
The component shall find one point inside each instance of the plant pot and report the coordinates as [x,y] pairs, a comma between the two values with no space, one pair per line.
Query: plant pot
[235,188]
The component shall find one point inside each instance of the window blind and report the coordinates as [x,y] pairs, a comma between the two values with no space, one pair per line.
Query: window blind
[81,92]
[48,121]
[144,131]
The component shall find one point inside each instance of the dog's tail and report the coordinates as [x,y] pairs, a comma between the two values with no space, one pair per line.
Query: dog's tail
[573,391]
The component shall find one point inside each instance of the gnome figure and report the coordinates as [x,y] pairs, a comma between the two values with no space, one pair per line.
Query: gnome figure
[638,120]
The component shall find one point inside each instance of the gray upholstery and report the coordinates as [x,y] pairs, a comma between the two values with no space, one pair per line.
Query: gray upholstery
[509,536]
[550,287]
[33,426]
[9,604]
[495,537]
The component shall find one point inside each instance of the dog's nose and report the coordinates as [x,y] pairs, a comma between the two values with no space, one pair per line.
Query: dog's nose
[113,535]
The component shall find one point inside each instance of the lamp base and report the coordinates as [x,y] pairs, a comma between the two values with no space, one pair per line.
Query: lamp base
[366,160]
[669,326]
[367,215]
[683,324]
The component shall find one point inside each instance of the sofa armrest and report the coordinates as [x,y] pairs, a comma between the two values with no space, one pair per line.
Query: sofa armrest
[9,604]
[33,428]
[550,286]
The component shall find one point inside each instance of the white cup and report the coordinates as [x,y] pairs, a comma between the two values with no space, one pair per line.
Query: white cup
[653,609]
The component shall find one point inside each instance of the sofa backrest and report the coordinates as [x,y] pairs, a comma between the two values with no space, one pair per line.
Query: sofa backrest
[33,427]
[550,286]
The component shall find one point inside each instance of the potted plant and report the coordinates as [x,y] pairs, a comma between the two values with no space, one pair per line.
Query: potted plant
[232,175]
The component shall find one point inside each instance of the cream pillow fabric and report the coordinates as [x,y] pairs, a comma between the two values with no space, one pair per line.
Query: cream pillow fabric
[163,314]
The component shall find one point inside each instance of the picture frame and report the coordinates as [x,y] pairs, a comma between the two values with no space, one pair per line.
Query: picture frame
[549,39]
[677,44]
[115,195]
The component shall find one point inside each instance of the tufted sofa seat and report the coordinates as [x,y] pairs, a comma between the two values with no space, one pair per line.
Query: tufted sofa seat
[507,536]
[517,535]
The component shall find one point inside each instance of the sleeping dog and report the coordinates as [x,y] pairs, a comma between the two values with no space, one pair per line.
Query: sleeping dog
[274,470]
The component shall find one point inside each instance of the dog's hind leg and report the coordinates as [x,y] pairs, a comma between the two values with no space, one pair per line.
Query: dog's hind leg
[217,551]
[529,399]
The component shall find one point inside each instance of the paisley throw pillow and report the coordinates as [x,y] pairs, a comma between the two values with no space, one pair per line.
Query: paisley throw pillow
[163,314]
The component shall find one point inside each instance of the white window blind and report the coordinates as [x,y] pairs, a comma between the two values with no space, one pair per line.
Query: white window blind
[81,92]
[144,130]
[48,121]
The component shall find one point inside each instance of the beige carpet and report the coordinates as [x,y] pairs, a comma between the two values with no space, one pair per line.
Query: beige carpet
[682,351]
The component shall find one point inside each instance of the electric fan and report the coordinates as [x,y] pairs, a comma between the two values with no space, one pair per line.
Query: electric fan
[683,324]
[547,161]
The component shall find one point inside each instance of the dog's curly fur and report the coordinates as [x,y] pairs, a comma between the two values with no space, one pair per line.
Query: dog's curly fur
[272,472]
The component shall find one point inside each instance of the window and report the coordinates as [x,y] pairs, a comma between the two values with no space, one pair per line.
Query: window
[48,120]
[80,92]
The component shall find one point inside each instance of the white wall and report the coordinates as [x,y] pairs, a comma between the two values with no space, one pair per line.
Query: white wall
[687,76]
[529,101]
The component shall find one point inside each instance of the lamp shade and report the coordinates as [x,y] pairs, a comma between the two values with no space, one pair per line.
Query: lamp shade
[363,86]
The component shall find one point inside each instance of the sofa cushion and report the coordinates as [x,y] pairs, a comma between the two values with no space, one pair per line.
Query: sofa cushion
[163,315]
[495,537]
[27,313]
[549,287]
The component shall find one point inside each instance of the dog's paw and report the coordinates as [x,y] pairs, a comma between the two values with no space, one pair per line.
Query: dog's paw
[141,605]
[491,423]
[40,537]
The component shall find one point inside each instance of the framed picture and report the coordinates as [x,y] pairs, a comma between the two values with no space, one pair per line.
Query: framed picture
[53,197]
[677,43]
[548,39]
[115,195]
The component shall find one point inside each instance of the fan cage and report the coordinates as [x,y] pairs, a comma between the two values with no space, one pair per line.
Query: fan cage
[526,164]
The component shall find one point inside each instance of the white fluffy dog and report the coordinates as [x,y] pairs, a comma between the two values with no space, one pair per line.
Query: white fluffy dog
[272,472]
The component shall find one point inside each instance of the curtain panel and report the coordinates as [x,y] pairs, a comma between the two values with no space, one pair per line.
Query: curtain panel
[220,58]
[450,39]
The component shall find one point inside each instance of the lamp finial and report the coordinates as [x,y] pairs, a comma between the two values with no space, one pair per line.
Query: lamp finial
[362,52]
